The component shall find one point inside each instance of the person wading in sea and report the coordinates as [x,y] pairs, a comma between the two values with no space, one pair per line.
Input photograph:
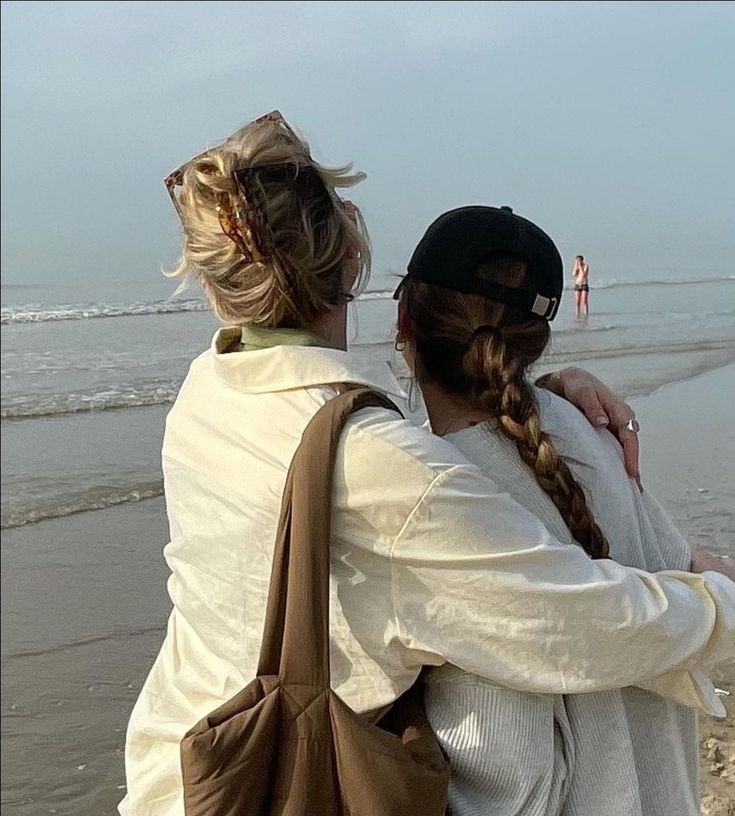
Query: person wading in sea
[581,274]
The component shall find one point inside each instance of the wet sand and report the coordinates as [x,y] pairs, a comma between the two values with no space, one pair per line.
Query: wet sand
[84,610]
[689,440]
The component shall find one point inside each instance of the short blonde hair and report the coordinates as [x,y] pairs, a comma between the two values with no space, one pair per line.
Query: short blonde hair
[311,234]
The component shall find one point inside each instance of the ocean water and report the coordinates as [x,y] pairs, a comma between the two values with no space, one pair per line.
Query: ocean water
[87,381]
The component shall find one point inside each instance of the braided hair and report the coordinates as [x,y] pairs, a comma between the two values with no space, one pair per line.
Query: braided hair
[480,350]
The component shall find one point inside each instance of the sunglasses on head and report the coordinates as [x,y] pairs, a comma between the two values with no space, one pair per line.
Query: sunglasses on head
[176,178]
[244,224]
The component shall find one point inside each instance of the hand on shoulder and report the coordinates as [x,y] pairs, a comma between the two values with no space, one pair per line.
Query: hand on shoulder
[704,560]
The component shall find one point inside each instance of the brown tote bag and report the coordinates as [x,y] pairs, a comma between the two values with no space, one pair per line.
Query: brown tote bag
[286,745]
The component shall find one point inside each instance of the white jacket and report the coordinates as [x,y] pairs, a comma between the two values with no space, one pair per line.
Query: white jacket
[431,562]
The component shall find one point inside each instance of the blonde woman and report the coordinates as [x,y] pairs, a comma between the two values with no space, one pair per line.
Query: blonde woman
[429,556]
[472,319]
[581,275]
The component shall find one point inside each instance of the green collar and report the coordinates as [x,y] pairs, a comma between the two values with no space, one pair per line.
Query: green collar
[259,337]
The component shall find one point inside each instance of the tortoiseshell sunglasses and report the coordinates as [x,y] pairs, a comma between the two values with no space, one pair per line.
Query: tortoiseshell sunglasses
[253,244]
[229,220]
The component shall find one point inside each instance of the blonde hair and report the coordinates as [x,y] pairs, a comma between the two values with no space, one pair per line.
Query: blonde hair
[480,350]
[311,235]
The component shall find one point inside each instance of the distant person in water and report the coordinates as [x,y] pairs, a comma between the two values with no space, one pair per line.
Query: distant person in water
[581,273]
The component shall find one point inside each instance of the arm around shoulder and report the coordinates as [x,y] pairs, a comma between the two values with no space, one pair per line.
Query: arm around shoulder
[479,581]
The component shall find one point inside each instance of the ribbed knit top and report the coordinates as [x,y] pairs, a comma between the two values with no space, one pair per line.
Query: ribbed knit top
[623,752]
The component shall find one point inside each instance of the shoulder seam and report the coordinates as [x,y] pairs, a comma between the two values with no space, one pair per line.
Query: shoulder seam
[440,477]
[351,426]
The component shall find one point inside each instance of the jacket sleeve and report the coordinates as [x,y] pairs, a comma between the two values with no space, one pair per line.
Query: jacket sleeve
[480,582]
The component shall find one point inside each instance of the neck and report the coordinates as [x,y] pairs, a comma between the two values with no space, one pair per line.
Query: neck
[449,412]
[332,327]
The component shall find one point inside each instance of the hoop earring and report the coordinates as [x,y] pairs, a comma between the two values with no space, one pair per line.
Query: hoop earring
[413,399]
[399,345]
[353,316]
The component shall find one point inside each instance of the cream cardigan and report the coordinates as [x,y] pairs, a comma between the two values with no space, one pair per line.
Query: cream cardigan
[612,753]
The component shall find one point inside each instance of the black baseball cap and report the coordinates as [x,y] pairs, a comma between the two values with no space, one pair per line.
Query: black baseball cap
[456,245]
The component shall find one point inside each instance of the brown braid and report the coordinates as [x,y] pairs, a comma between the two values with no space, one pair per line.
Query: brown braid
[480,351]
[507,396]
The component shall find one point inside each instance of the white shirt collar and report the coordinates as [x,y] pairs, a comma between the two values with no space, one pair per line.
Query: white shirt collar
[284,367]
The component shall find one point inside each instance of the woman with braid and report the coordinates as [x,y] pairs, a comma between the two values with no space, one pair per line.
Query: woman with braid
[473,315]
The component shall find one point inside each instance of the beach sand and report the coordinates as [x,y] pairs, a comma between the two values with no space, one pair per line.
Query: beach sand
[84,612]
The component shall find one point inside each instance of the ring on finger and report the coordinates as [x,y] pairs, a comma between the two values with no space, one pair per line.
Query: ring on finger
[632,425]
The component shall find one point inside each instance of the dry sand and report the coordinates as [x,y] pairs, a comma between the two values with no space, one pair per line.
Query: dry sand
[717,752]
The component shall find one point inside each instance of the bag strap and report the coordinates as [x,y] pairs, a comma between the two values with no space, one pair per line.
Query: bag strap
[295,642]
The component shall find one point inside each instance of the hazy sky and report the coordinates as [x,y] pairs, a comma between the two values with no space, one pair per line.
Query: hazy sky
[610,124]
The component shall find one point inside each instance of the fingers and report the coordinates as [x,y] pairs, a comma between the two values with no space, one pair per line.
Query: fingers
[587,399]
[620,415]
[618,411]
[631,455]
[586,392]
[703,560]
[604,409]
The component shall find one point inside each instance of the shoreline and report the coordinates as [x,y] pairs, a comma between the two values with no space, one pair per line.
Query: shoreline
[85,608]
[118,462]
